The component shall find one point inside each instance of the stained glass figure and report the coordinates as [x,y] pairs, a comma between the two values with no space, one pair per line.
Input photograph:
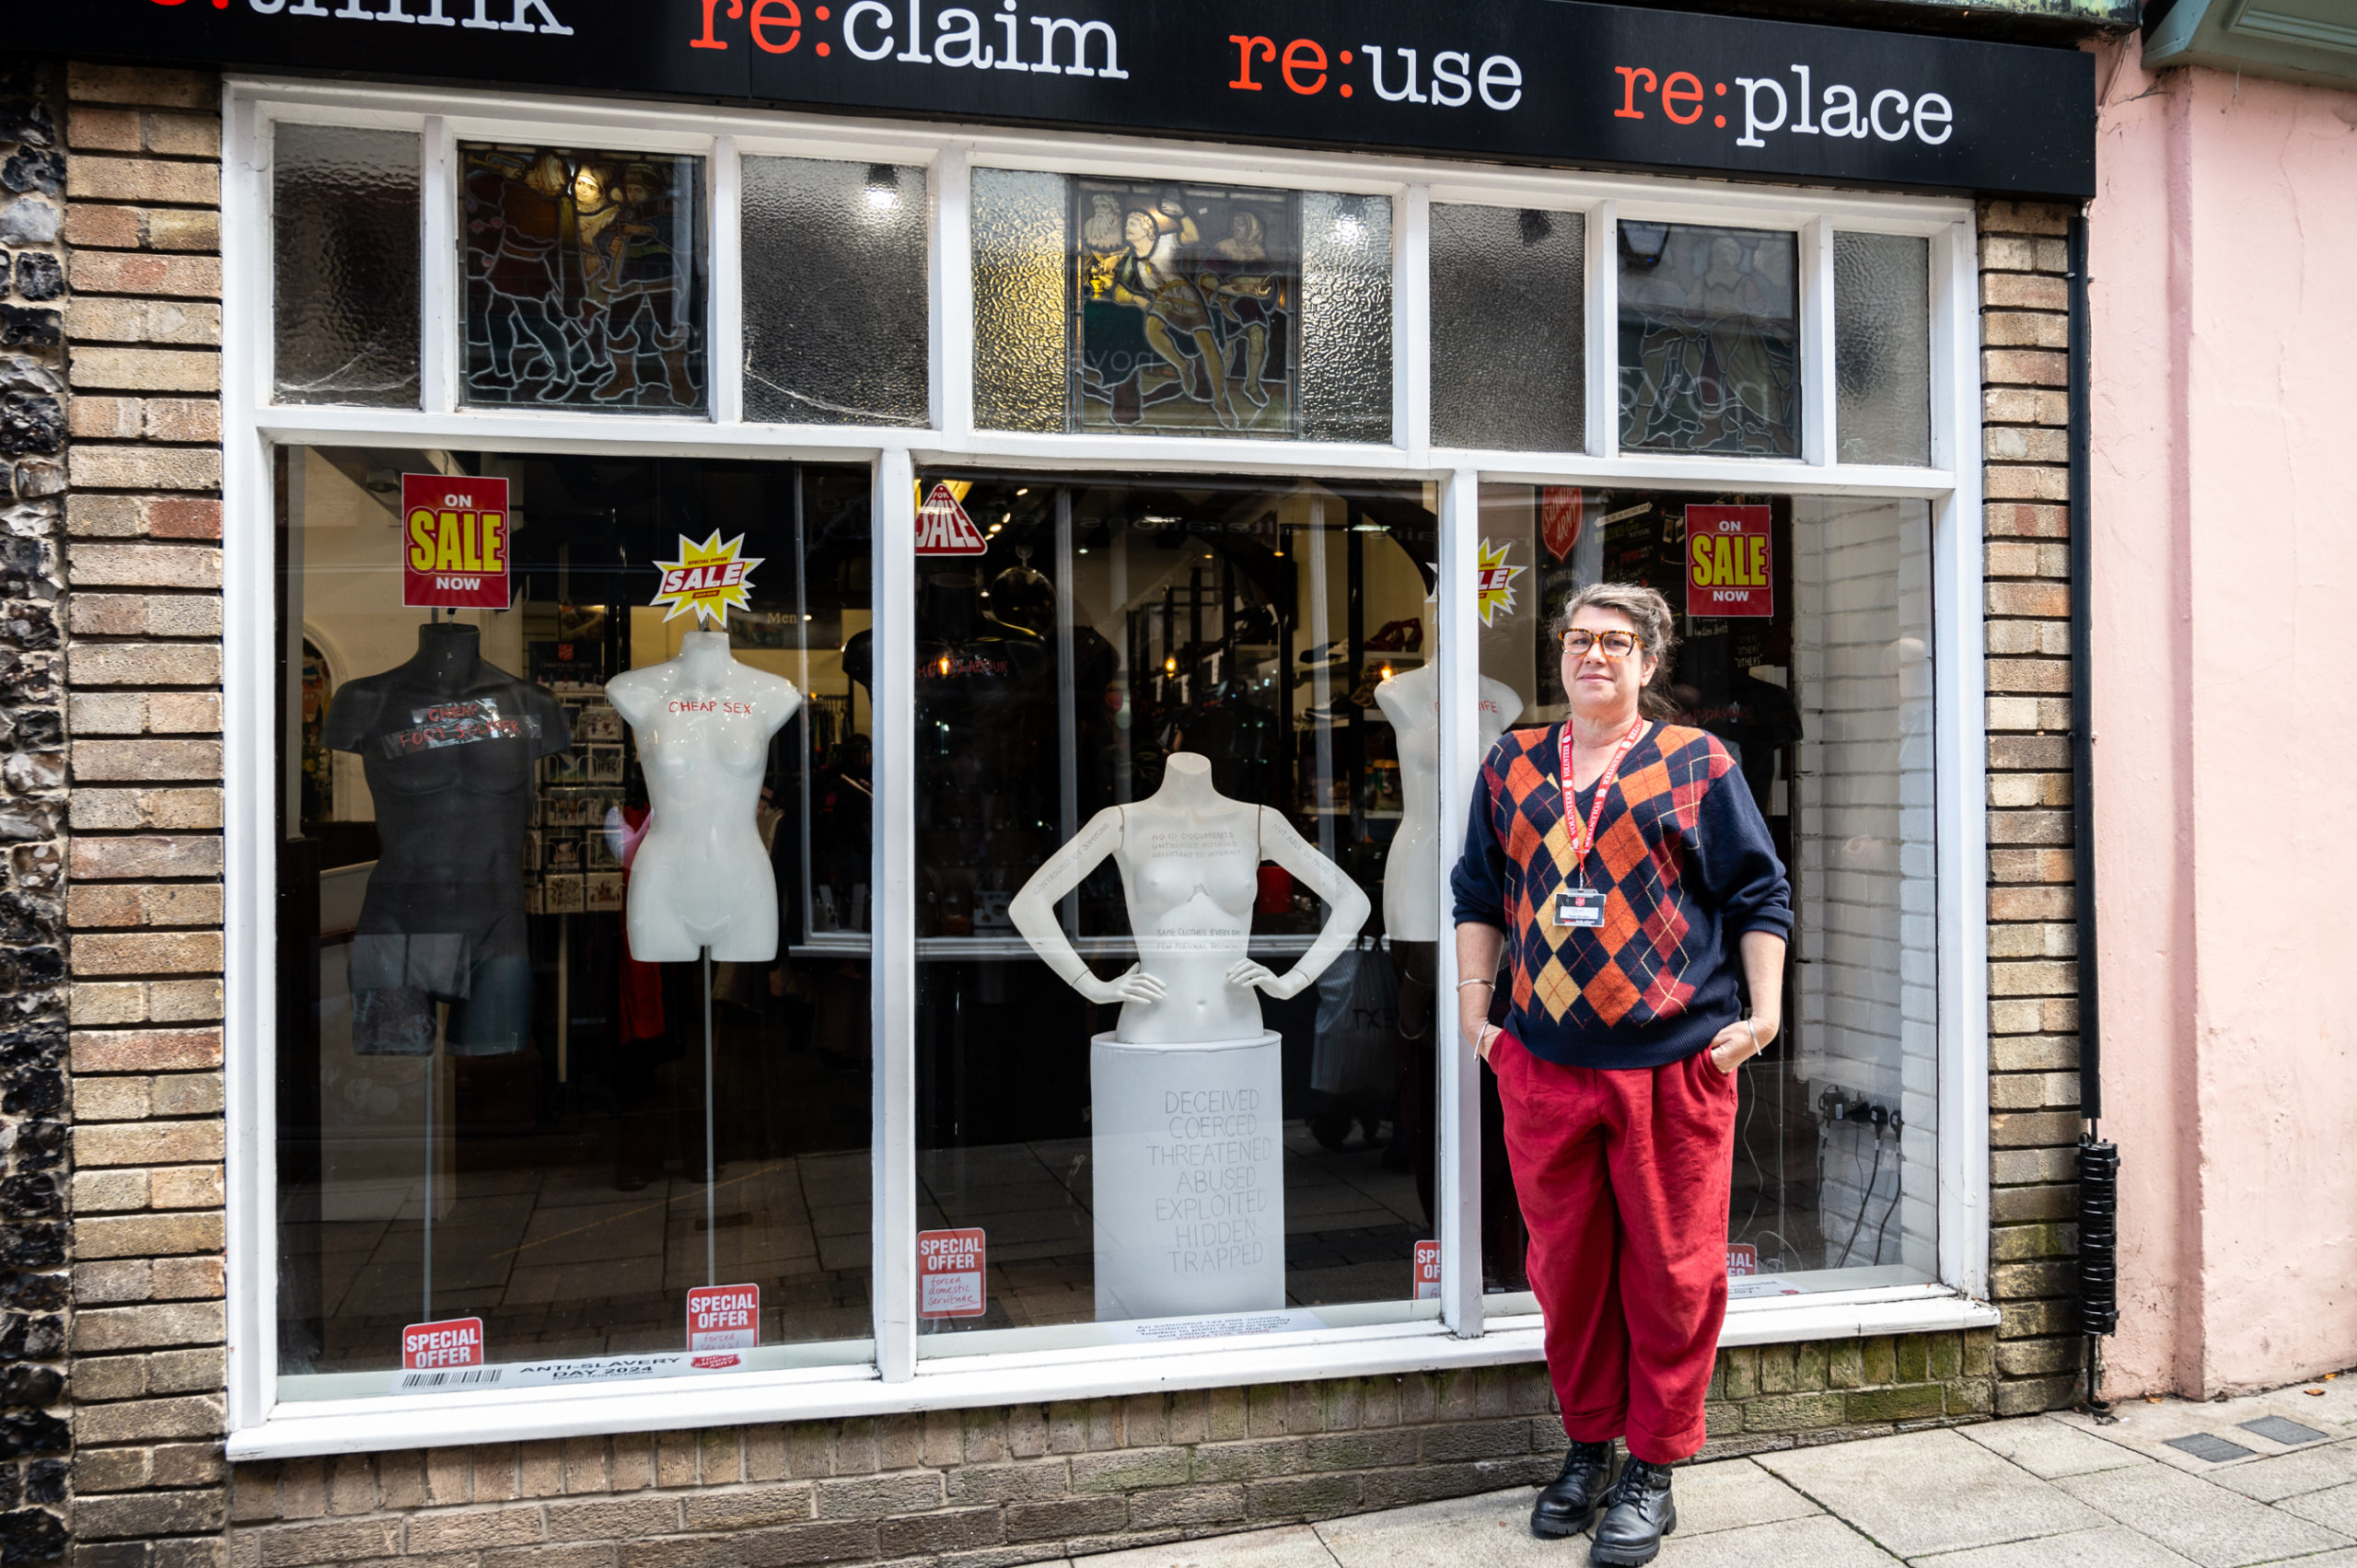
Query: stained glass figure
[1186,308]
[585,279]
[1710,356]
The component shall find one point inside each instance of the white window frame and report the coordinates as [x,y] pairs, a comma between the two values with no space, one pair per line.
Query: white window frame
[262,1427]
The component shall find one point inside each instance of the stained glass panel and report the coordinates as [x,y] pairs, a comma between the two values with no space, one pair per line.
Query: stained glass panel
[585,279]
[1709,331]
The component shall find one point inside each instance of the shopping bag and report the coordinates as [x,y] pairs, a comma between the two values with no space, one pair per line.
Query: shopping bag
[1358,1024]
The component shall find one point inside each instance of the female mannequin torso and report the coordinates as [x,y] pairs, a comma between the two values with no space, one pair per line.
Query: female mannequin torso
[1189,858]
[1412,904]
[701,878]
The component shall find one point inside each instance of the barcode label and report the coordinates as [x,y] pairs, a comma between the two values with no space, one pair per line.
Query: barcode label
[457,1377]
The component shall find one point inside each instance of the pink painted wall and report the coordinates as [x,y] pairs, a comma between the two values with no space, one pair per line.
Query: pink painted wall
[2223,285]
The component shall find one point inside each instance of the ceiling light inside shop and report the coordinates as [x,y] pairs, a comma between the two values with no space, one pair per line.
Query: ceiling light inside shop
[883,187]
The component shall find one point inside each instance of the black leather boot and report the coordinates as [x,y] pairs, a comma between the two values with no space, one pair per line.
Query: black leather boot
[1567,1506]
[1637,1513]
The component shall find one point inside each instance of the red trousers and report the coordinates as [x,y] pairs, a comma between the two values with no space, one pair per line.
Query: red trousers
[1623,1177]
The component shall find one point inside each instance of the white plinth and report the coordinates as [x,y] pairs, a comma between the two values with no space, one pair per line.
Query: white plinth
[1190,1192]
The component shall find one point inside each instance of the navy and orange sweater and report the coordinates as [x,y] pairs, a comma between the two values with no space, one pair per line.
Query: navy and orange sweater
[1688,867]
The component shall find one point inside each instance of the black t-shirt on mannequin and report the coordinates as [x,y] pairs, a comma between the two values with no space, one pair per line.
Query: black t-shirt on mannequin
[448,744]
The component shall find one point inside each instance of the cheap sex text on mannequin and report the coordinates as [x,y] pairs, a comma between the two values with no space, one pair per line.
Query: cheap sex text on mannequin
[701,878]
[1189,858]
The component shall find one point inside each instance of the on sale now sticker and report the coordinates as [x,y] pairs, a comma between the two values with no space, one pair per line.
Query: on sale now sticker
[723,1318]
[454,542]
[453,1341]
[949,1274]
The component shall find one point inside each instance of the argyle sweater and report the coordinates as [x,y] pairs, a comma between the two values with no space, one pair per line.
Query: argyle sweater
[1687,866]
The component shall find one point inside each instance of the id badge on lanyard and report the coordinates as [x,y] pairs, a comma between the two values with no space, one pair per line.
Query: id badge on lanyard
[1577,906]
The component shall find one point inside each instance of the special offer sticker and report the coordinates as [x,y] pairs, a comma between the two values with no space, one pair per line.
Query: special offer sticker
[723,1318]
[1727,562]
[1743,1259]
[949,1274]
[454,542]
[1427,1271]
[453,1341]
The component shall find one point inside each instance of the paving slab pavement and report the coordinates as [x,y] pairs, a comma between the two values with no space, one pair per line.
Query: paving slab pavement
[2057,1490]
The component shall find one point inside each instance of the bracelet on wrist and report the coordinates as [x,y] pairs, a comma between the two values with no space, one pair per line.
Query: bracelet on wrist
[1463,983]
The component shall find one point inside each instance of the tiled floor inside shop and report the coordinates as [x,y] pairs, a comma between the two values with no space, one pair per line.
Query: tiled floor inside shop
[2044,1492]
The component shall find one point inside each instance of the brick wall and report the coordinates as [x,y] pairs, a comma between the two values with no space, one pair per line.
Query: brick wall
[143,521]
[34,1438]
[134,509]
[2033,1047]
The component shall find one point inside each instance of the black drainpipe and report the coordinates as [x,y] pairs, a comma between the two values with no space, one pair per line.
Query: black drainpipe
[2098,1161]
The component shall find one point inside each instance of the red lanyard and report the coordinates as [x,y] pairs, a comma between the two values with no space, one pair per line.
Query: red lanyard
[1587,841]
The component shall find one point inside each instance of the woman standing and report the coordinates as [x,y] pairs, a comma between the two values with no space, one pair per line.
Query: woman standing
[1621,866]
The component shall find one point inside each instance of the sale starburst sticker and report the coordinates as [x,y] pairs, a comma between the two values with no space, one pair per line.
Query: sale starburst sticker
[1495,580]
[706,580]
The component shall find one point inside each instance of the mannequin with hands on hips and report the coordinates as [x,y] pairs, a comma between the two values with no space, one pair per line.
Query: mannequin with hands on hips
[701,878]
[1189,860]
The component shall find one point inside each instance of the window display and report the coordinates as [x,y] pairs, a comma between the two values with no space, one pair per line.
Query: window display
[576,980]
[1816,680]
[1159,1056]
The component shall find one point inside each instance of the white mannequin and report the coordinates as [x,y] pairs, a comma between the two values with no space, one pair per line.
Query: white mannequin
[701,878]
[1412,908]
[1189,860]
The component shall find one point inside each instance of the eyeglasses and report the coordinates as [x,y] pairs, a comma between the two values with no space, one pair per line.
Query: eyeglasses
[1615,645]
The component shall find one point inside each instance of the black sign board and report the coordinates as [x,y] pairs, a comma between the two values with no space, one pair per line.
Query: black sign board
[1545,81]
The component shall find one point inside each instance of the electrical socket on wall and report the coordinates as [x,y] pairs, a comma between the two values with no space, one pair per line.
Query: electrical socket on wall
[1839,1104]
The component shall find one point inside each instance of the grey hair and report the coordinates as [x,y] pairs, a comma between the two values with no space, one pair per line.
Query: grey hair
[1656,626]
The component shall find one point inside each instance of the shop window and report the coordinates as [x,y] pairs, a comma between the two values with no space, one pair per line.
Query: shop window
[1710,359]
[1882,348]
[345,247]
[1811,663]
[584,279]
[836,293]
[1180,861]
[1175,308]
[1508,328]
[572,899]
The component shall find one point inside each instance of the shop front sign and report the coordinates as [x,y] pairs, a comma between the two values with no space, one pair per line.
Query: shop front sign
[1542,81]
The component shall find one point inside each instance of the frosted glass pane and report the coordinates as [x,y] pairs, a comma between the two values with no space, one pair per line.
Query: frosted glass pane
[1345,318]
[1709,329]
[345,249]
[1509,360]
[1019,222]
[584,279]
[1882,347]
[835,293]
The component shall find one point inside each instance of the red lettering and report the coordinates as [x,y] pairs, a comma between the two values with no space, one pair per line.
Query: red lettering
[736,10]
[791,18]
[1302,54]
[1629,74]
[1672,94]
[1243,46]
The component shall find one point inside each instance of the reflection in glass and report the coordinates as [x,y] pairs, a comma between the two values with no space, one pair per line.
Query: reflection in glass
[835,293]
[344,220]
[1882,347]
[490,1106]
[1125,649]
[1710,359]
[583,278]
[1163,308]
[1509,328]
[1825,706]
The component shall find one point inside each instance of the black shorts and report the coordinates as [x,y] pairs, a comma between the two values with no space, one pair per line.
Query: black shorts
[485,976]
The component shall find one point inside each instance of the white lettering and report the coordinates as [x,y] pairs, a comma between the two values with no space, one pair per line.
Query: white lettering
[1446,76]
[482,18]
[434,17]
[352,9]
[914,54]
[850,26]
[1013,59]
[1409,93]
[966,37]
[1932,110]
[1846,103]
[1081,32]
[1900,99]
[1804,126]
[308,8]
[1500,71]
[268,7]
[1752,123]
